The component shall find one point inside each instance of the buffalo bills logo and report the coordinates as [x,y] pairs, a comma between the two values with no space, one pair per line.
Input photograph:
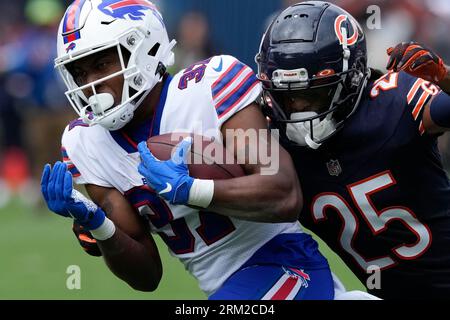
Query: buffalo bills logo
[298,274]
[129,9]
[71,47]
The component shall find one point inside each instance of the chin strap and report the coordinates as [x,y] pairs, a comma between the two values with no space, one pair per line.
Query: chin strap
[311,143]
[345,49]
[168,57]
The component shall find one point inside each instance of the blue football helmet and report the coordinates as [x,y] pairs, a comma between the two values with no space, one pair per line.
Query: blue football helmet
[312,63]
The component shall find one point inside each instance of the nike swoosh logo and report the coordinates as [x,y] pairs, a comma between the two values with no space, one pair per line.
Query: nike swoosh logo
[219,68]
[167,189]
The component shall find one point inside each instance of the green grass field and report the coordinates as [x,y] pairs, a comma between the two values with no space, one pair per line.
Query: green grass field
[37,247]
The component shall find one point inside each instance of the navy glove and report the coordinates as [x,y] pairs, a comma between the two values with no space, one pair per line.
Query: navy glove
[62,199]
[170,179]
[416,60]
[86,240]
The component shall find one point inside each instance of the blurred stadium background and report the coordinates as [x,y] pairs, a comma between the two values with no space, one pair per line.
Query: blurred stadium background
[36,247]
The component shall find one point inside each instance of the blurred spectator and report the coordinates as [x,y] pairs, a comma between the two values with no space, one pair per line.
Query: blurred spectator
[424,21]
[193,42]
[31,98]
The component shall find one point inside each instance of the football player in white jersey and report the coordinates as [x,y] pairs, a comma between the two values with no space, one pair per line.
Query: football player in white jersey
[113,56]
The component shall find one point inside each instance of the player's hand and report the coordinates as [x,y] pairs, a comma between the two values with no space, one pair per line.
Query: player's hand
[416,60]
[170,179]
[86,240]
[62,199]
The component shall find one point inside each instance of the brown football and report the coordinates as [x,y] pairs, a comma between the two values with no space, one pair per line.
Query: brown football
[208,159]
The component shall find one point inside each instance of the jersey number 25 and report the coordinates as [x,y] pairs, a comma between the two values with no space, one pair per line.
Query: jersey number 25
[377,220]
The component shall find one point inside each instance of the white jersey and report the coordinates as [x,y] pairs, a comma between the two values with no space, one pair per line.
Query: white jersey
[199,99]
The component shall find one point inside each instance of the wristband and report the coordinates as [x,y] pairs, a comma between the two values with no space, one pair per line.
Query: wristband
[201,193]
[105,231]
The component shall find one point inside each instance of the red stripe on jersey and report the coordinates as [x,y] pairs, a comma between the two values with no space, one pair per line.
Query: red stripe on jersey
[234,91]
[240,99]
[224,74]
[130,141]
[412,93]
[229,83]
[420,104]
[421,128]
[285,289]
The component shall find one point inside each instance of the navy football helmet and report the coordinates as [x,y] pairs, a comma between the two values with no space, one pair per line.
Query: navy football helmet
[314,52]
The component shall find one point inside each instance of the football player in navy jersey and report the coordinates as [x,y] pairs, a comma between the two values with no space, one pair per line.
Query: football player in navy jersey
[364,146]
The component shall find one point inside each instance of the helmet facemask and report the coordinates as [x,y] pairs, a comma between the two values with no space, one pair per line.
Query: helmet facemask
[317,124]
[99,108]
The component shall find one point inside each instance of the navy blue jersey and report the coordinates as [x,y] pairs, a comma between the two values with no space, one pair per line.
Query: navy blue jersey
[377,194]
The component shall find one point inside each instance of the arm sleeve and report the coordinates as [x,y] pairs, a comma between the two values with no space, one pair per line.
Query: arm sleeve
[233,88]
[419,93]
[440,110]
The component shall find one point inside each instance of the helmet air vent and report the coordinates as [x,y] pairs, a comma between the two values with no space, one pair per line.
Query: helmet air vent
[154,50]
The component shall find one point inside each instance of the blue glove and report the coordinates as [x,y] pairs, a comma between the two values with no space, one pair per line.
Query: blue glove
[61,198]
[170,179]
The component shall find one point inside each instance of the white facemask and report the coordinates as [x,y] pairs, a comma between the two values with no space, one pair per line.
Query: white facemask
[300,132]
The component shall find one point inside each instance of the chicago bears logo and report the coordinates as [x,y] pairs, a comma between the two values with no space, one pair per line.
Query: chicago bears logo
[338,29]
[325,73]
[129,9]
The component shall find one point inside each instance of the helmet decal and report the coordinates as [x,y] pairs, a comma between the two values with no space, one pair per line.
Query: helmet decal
[325,73]
[132,9]
[72,21]
[337,28]
[71,47]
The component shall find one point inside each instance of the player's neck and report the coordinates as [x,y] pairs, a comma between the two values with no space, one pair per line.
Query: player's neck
[147,108]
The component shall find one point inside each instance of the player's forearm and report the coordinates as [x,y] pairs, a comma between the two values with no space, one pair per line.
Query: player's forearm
[445,83]
[258,198]
[130,261]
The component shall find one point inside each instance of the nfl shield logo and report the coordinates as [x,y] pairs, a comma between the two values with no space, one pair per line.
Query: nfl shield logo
[334,168]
